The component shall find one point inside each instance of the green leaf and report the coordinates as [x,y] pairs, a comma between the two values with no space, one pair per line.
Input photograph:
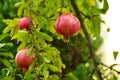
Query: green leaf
[31,67]
[11,25]
[95,27]
[30,51]
[47,58]
[17,4]
[71,75]
[108,30]
[21,35]
[54,77]
[5,62]
[115,54]
[29,76]
[53,68]
[50,26]
[3,36]
[8,78]
[64,10]
[82,33]
[87,25]
[21,8]
[105,7]
[45,72]
[7,54]
[22,45]
[5,44]
[44,36]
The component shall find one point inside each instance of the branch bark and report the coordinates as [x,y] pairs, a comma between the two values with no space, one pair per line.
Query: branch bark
[87,36]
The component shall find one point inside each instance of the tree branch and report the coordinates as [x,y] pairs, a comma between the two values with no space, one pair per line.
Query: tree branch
[111,67]
[29,14]
[88,39]
[61,7]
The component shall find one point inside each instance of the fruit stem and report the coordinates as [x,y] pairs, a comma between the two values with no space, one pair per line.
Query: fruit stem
[91,50]
[66,38]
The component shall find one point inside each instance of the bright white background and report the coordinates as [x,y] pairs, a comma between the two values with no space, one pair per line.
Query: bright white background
[112,38]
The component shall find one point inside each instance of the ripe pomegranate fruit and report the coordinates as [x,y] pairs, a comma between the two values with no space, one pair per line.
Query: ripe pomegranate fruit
[24,61]
[25,23]
[67,25]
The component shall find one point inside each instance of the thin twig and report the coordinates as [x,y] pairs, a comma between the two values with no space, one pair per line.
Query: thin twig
[29,14]
[61,7]
[111,67]
[88,39]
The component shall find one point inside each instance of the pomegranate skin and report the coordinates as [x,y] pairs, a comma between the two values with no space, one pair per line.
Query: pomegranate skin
[24,23]
[22,60]
[67,25]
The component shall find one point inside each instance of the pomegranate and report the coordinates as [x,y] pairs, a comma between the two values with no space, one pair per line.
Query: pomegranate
[24,61]
[24,23]
[67,25]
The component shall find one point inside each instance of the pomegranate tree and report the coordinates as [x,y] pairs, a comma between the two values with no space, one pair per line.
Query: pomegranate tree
[22,60]
[24,23]
[67,25]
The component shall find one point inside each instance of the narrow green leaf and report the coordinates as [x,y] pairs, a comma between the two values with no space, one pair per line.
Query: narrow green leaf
[7,54]
[5,62]
[46,59]
[7,29]
[12,25]
[95,27]
[45,72]
[2,45]
[50,26]
[8,78]
[30,51]
[105,7]
[21,35]
[88,24]
[7,21]
[31,66]
[115,54]
[5,44]
[53,68]
[44,36]
[82,33]
[3,36]
[22,45]
[17,4]
[21,8]
[71,75]
[54,77]
[64,10]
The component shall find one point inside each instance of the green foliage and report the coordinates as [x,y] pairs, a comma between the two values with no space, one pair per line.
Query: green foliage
[54,59]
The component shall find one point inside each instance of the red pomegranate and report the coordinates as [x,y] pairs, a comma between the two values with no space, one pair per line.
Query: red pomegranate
[24,61]
[24,23]
[67,25]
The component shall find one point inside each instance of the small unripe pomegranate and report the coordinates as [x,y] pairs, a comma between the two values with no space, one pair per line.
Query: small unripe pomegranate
[22,60]
[67,25]
[24,23]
